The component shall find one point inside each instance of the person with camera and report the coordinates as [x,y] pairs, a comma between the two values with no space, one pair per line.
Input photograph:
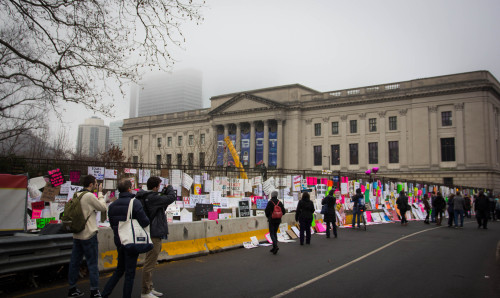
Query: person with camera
[155,204]
[358,207]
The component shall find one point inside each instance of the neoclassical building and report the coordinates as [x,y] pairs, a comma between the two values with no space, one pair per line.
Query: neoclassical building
[441,129]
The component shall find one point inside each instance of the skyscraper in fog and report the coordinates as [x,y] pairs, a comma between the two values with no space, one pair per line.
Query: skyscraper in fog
[168,93]
[115,133]
[93,137]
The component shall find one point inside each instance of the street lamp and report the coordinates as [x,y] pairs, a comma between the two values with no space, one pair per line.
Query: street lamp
[329,163]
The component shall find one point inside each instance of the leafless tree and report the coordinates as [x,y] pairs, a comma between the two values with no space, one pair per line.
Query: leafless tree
[54,51]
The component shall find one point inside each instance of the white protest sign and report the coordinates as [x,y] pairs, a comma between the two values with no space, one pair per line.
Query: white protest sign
[296,182]
[144,176]
[65,188]
[176,178]
[268,186]
[187,181]
[110,174]
[97,172]
[215,197]
[72,190]
[208,185]
[197,179]
[186,216]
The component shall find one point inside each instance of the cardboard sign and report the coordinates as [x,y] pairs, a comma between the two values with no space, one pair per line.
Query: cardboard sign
[244,208]
[49,193]
[56,177]
[74,176]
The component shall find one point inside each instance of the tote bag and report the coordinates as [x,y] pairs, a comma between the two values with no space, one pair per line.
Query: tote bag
[133,237]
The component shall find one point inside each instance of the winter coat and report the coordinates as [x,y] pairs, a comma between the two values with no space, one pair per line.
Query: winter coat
[427,206]
[482,203]
[155,204]
[439,203]
[356,198]
[330,201]
[459,203]
[270,208]
[451,203]
[402,203]
[118,211]
[468,203]
[305,210]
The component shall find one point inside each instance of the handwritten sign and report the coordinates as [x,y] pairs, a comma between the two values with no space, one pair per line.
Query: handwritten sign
[97,172]
[203,209]
[42,222]
[244,208]
[110,174]
[130,171]
[56,177]
[49,193]
[37,205]
[212,215]
[72,190]
[261,203]
[144,176]
[197,199]
[187,181]
[36,214]
[74,176]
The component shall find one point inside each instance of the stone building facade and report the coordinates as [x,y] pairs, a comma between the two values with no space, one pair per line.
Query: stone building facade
[441,129]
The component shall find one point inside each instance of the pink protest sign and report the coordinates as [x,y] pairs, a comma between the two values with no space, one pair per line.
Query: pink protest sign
[369,216]
[213,215]
[320,228]
[74,176]
[37,205]
[36,214]
[324,181]
[56,177]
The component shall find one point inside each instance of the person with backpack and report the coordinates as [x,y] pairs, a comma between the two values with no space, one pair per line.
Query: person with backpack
[357,208]
[304,215]
[127,260]
[155,204]
[85,242]
[274,212]
[439,206]
[329,216]
[402,203]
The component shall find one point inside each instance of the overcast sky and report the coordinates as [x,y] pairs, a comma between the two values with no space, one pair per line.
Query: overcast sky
[329,45]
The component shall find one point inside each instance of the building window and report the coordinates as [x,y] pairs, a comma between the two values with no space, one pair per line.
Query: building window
[190,160]
[448,181]
[191,140]
[335,155]
[179,141]
[202,139]
[353,124]
[393,152]
[179,160]
[372,124]
[448,149]
[393,123]
[169,142]
[202,159]
[317,129]
[158,142]
[335,128]
[353,153]
[373,153]
[136,144]
[135,159]
[158,162]
[318,156]
[446,118]
[169,160]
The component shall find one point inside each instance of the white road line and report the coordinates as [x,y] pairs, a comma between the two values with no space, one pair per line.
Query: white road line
[347,264]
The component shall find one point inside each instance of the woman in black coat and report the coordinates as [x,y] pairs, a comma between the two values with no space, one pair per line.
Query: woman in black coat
[305,211]
[329,217]
[439,206]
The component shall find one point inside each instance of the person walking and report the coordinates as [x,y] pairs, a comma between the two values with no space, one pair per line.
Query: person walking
[155,204]
[403,206]
[427,207]
[482,208]
[85,242]
[358,200]
[439,206]
[127,261]
[433,210]
[275,222]
[450,204]
[329,217]
[468,206]
[459,209]
[304,215]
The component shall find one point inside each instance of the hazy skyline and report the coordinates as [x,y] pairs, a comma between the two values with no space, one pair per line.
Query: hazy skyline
[330,45]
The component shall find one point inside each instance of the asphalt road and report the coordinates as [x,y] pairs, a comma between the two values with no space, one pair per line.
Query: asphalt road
[387,260]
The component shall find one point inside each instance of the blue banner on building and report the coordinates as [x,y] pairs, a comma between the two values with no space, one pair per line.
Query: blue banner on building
[220,150]
[273,149]
[245,149]
[230,159]
[259,147]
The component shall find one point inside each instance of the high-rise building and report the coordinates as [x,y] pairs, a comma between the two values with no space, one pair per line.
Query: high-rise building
[115,133]
[169,93]
[93,137]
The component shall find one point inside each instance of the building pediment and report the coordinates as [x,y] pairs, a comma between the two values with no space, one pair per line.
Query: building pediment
[245,102]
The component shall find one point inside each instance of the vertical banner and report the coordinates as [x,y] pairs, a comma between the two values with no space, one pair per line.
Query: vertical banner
[230,159]
[273,149]
[245,149]
[220,150]
[259,147]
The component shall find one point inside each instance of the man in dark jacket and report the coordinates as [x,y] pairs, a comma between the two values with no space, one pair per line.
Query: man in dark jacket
[329,217]
[482,207]
[127,261]
[154,204]
[451,214]
[403,206]
[358,201]
[274,223]
[304,215]
[439,205]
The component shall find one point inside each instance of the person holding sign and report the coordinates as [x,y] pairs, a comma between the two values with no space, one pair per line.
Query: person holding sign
[273,215]
[304,215]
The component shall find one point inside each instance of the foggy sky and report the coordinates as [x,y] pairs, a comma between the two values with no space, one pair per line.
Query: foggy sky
[330,45]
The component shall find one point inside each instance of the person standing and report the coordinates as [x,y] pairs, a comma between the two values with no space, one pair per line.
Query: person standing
[358,200]
[155,204]
[274,223]
[468,205]
[482,208]
[451,215]
[439,206]
[329,216]
[433,210]
[402,203]
[85,242]
[459,209]
[304,215]
[127,261]
[427,208]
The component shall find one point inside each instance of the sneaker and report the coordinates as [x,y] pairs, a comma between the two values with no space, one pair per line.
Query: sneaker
[74,292]
[148,295]
[156,293]
[95,293]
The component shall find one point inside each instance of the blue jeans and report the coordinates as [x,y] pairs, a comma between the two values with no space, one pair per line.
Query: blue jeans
[127,264]
[357,213]
[87,248]
[456,213]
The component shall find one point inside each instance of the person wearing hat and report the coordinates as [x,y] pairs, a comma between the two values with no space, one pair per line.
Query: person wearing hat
[274,223]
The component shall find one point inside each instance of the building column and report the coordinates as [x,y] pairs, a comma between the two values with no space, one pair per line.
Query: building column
[362,147]
[382,145]
[226,152]
[280,150]
[344,147]
[434,141]
[266,142]
[238,137]
[252,145]
[326,148]
[460,146]
[403,149]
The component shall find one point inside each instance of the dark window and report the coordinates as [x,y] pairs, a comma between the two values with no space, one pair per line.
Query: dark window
[190,160]
[169,159]
[335,128]
[318,156]
[169,142]
[179,160]
[158,162]
[446,118]
[353,153]
[393,123]
[448,149]
[317,129]
[136,142]
[393,152]
[373,153]
[135,159]
[448,181]
[335,155]
[158,142]
[179,141]
[354,126]
[202,139]
[372,123]
[202,159]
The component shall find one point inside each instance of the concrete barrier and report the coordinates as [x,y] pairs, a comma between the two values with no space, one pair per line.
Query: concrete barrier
[194,238]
